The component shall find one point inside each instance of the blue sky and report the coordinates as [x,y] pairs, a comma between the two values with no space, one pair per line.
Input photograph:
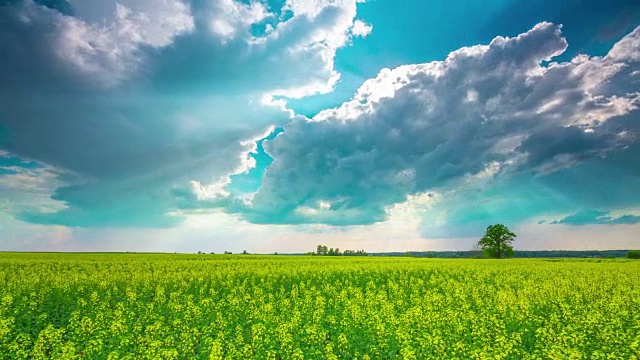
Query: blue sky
[218,125]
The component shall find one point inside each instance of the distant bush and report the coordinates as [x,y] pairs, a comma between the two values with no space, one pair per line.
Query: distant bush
[633,254]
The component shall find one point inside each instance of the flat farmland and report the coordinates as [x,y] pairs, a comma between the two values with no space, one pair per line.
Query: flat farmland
[171,306]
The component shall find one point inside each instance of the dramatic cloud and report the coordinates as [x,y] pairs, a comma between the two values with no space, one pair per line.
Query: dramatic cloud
[165,114]
[136,98]
[107,51]
[487,112]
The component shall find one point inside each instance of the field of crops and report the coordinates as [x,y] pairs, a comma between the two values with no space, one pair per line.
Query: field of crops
[129,306]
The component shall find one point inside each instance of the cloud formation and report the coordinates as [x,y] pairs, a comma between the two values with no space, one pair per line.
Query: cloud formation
[27,185]
[586,217]
[486,112]
[105,52]
[362,29]
[137,112]
[136,98]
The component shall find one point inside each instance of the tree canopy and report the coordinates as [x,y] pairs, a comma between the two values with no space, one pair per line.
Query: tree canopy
[496,242]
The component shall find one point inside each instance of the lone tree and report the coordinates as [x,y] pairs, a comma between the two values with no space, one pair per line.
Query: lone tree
[496,242]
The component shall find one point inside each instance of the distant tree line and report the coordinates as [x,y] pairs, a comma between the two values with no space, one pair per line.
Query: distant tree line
[322,250]
[355,253]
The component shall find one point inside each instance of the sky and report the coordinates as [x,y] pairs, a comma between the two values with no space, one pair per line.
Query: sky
[274,126]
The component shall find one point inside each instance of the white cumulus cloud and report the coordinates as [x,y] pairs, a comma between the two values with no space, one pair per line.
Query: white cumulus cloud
[361,29]
[485,111]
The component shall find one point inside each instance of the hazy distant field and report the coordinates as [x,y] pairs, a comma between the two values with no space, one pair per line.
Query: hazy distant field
[113,306]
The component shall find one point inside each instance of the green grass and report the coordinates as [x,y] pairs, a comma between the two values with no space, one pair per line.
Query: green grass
[144,306]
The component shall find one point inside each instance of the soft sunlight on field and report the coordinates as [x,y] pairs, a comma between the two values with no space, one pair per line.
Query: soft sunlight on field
[135,306]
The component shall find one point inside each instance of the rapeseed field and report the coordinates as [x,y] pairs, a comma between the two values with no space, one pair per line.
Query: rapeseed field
[156,306]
